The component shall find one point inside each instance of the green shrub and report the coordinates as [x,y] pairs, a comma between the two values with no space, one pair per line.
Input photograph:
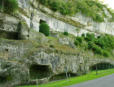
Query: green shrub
[55,5]
[105,41]
[83,35]
[84,45]
[97,49]
[44,28]
[76,42]
[80,39]
[90,37]
[106,53]
[102,45]
[90,45]
[52,46]
[66,33]
[98,18]
[65,10]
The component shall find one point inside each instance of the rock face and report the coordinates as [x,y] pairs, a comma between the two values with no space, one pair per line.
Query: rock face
[21,60]
[61,23]
[8,23]
[29,55]
[32,13]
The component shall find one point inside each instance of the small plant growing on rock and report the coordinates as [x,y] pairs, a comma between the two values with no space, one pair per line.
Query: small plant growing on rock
[45,29]
[66,33]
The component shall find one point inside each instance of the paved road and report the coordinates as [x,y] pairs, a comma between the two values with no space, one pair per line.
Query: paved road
[107,81]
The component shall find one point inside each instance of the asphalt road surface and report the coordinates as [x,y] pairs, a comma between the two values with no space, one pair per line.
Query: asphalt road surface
[107,81]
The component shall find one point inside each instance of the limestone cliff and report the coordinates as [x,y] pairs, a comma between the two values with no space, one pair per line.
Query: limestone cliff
[24,52]
[62,23]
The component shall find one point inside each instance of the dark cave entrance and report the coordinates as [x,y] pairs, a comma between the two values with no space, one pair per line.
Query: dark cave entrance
[101,66]
[13,35]
[39,71]
[62,76]
[9,35]
[3,79]
[42,21]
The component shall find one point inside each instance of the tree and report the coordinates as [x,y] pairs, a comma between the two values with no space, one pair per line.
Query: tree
[2,5]
[9,6]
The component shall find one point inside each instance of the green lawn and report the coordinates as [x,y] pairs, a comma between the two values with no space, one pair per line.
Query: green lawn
[75,80]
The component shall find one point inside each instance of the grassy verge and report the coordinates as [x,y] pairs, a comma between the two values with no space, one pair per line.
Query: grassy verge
[75,80]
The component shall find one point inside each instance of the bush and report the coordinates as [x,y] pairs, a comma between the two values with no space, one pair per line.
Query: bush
[55,5]
[90,45]
[64,9]
[102,45]
[80,39]
[105,41]
[84,45]
[66,33]
[44,28]
[98,18]
[52,46]
[97,49]
[90,37]
[106,53]
[76,42]
[83,35]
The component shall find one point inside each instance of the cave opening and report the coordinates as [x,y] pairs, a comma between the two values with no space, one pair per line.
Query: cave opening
[8,35]
[13,35]
[101,66]
[39,71]
[42,21]
[3,79]
[62,76]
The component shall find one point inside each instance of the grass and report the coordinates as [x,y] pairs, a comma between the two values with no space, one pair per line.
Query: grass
[76,80]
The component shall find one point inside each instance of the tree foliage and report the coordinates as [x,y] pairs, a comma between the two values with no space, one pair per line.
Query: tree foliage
[8,6]
[102,45]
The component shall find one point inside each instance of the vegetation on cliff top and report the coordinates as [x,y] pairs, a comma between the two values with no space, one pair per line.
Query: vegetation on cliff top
[90,8]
